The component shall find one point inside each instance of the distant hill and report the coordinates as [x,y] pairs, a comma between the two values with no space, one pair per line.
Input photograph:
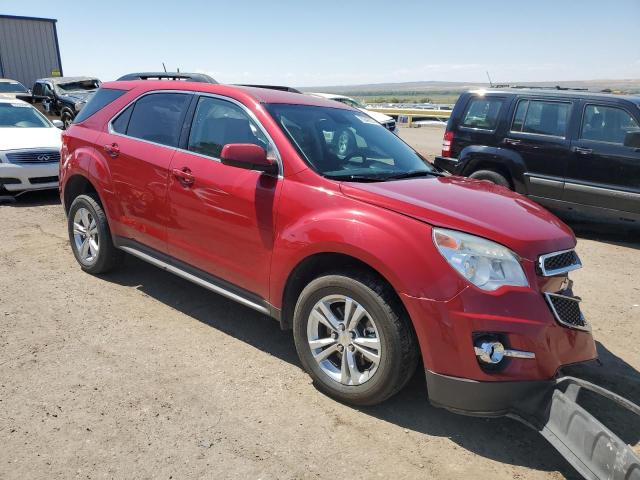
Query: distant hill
[428,87]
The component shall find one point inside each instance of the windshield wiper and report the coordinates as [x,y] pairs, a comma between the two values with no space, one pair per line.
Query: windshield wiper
[413,174]
[356,178]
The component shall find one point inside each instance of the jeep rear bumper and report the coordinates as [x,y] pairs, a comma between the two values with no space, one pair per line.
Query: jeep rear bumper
[451,165]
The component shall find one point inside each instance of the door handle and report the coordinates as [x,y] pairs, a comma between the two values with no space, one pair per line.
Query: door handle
[184,176]
[112,149]
[512,141]
[582,151]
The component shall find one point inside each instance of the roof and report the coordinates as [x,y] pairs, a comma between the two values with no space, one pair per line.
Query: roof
[8,80]
[65,79]
[38,19]
[259,95]
[560,93]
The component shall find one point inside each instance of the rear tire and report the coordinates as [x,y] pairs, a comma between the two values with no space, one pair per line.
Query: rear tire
[90,236]
[492,176]
[374,354]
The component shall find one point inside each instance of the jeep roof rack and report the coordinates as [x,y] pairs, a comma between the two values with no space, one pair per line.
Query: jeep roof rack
[537,87]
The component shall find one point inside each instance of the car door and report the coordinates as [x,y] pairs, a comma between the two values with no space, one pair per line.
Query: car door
[222,218]
[539,132]
[138,149]
[605,168]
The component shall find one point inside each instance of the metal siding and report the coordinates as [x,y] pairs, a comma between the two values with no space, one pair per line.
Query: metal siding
[28,49]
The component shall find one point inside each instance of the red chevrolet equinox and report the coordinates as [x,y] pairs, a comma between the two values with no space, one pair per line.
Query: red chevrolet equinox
[311,212]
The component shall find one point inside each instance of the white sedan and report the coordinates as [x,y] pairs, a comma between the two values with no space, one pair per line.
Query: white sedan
[29,148]
[385,120]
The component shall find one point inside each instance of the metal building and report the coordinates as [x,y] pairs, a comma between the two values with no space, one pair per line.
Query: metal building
[29,49]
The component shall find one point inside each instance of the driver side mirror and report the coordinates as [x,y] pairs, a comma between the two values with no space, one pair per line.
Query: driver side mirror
[248,156]
[632,139]
[58,124]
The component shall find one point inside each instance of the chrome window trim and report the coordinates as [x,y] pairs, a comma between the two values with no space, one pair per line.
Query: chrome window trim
[587,326]
[557,271]
[242,106]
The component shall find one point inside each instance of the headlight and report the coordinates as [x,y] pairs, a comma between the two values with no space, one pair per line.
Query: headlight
[78,106]
[486,264]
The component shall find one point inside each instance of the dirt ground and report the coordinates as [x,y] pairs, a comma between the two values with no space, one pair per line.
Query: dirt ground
[140,374]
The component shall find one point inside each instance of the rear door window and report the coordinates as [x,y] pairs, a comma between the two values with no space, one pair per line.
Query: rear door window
[541,118]
[98,101]
[482,113]
[158,118]
[607,124]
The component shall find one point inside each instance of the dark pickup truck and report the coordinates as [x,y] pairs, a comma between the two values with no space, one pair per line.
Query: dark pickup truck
[63,97]
[573,152]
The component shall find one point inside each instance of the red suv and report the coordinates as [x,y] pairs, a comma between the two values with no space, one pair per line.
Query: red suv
[311,212]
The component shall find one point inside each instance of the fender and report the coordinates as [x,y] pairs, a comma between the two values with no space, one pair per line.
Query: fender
[474,156]
[394,243]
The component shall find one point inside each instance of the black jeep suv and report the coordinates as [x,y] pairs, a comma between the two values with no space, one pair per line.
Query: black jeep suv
[570,151]
[63,97]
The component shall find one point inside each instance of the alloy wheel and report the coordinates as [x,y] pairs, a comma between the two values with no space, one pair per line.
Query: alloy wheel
[85,235]
[344,340]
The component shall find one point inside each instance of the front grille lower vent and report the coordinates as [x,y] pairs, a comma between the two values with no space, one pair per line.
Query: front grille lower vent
[566,310]
[34,156]
[558,263]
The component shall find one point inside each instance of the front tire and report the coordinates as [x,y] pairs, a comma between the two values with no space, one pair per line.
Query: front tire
[90,236]
[354,338]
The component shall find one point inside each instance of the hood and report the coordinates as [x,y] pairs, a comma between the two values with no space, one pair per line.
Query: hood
[476,207]
[19,138]
[378,117]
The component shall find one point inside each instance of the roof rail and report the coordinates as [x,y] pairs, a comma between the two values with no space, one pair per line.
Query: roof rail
[282,88]
[189,77]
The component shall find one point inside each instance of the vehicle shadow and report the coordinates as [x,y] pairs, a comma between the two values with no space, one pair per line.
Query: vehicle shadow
[613,234]
[33,199]
[502,439]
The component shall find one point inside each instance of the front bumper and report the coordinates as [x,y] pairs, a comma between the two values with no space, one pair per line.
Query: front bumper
[521,319]
[19,178]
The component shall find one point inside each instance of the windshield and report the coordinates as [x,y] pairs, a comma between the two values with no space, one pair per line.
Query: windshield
[21,115]
[347,145]
[12,87]
[83,85]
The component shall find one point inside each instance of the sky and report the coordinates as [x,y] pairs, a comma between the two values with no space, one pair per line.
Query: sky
[322,43]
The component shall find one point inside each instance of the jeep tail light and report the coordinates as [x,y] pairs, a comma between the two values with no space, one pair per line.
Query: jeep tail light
[446,144]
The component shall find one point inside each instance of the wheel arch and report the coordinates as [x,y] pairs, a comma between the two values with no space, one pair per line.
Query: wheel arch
[75,185]
[506,162]
[316,265]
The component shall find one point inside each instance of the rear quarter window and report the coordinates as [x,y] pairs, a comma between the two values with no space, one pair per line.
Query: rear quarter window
[482,113]
[100,99]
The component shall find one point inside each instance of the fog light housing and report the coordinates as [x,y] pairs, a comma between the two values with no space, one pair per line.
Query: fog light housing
[491,352]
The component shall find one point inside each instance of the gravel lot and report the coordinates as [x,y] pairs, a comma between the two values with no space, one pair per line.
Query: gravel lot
[139,374]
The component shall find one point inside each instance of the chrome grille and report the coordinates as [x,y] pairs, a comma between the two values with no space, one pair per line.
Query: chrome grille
[558,262]
[566,310]
[34,156]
